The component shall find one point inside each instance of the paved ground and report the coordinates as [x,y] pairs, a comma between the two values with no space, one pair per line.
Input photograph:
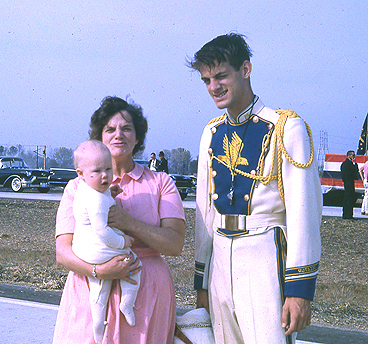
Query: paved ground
[28,315]
[29,322]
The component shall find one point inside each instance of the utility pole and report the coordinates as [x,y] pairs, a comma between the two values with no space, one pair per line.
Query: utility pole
[322,149]
[43,155]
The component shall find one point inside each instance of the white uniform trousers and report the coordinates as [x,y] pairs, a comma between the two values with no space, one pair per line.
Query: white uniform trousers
[244,289]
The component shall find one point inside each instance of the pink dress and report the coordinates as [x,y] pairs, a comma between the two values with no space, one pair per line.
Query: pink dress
[149,197]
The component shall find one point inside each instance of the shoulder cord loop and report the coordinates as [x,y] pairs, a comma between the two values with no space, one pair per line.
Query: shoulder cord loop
[279,138]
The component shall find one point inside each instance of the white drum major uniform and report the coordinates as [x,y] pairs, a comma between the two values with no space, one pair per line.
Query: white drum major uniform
[257,228]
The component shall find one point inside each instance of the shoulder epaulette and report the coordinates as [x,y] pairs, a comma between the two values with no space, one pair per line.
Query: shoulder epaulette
[287,113]
[217,119]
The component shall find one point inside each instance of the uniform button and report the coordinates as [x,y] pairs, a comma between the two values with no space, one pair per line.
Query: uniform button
[214,174]
[213,129]
[215,196]
[210,151]
[253,172]
[255,119]
[246,198]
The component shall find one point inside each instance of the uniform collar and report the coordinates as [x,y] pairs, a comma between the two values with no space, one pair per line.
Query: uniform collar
[135,174]
[254,108]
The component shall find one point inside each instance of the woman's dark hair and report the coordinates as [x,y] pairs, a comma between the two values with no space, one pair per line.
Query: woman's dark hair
[230,48]
[110,106]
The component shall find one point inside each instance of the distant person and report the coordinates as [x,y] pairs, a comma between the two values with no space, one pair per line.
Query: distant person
[94,241]
[363,171]
[349,173]
[153,163]
[163,166]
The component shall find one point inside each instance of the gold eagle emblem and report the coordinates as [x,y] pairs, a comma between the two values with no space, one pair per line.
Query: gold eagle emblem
[233,149]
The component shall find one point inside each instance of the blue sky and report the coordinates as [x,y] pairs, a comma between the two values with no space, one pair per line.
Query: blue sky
[60,58]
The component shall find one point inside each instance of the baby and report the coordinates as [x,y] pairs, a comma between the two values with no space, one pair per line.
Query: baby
[94,241]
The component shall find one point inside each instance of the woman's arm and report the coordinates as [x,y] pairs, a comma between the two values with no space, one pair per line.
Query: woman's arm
[361,172]
[168,238]
[120,267]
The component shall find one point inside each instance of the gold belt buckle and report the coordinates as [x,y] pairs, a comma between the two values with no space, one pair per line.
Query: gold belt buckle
[235,222]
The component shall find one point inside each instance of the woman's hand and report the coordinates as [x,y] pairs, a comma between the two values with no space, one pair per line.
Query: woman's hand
[167,239]
[119,267]
[128,241]
[117,217]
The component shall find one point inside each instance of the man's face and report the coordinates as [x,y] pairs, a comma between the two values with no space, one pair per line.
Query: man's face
[153,156]
[351,156]
[229,88]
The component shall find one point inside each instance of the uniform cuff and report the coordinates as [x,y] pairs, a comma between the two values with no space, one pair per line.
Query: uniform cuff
[301,281]
[198,275]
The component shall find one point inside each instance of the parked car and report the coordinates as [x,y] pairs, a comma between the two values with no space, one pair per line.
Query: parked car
[142,162]
[16,175]
[61,176]
[184,184]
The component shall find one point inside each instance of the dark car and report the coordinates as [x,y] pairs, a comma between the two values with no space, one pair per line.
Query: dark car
[15,174]
[142,162]
[184,184]
[61,176]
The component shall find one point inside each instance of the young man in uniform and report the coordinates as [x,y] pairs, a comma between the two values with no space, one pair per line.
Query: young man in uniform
[259,207]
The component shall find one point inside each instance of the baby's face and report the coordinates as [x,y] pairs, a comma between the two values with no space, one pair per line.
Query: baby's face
[97,172]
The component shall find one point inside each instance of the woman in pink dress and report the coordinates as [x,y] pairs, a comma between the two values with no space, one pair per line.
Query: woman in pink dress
[149,208]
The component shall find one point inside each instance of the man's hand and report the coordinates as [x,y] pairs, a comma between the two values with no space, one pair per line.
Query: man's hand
[296,314]
[202,299]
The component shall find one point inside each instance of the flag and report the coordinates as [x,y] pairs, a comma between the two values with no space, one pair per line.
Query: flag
[362,145]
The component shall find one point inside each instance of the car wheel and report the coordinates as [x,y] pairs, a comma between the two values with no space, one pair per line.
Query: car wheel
[183,195]
[43,190]
[16,184]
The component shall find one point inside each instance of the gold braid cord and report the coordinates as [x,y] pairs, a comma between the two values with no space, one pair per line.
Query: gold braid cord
[279,138]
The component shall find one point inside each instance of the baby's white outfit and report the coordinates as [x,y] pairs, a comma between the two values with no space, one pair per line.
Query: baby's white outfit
[96,243]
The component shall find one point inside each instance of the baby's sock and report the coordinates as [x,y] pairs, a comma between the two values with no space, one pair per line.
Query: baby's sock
[126,307]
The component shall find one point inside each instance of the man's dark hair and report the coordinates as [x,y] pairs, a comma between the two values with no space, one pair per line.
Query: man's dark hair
[349,152]
[110,106]
[230,48]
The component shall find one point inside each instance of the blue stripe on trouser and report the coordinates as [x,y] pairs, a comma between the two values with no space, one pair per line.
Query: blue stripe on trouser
[279,235]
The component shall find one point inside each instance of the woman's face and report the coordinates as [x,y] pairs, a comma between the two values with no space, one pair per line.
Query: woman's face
[119,135]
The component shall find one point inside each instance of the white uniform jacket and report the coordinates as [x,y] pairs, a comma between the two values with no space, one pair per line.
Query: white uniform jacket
[299,216]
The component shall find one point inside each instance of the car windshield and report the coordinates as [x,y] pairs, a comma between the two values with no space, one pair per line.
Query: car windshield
[6,163]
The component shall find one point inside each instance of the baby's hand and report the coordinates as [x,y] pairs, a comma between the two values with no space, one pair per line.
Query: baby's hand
[115,190]
[128,241]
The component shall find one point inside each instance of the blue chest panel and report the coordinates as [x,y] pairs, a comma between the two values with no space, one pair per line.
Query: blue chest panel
[236,147]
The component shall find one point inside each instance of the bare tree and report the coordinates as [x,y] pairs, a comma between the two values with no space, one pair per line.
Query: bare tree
[64,157]
[179,161]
